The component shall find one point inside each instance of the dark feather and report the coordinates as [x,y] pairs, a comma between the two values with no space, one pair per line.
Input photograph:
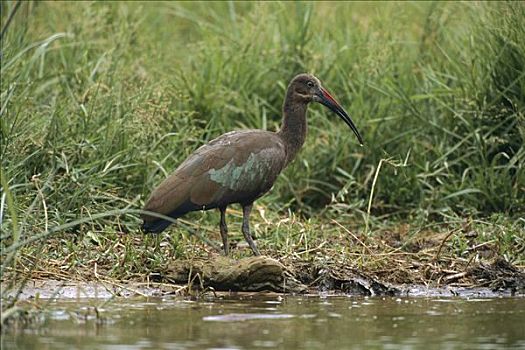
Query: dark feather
[155,226]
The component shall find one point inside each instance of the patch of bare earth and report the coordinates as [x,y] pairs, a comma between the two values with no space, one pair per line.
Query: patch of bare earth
[392,263]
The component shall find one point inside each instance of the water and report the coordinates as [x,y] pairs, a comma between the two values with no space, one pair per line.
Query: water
[274,322]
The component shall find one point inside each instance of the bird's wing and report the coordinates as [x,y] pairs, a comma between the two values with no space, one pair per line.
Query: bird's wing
[234,168]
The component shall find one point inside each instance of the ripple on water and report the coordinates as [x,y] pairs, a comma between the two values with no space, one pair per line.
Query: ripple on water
[246,317]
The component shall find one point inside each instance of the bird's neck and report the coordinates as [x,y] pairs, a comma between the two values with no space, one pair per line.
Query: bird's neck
[294,127]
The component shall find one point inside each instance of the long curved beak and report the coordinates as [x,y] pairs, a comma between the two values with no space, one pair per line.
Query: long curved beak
[324,98]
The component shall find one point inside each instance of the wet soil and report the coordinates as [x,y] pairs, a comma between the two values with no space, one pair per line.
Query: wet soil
[221,275]
[264,273]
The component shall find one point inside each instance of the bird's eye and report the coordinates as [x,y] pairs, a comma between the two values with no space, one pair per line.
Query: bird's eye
[310,83]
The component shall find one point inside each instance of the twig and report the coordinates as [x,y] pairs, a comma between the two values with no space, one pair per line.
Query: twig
[121,286]
[456,276]
[372,194]
[436,257]
[310,250]
[376,175]
[355,237]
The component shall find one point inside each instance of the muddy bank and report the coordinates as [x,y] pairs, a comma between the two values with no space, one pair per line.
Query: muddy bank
[53,289]
[264,273]
[219,275]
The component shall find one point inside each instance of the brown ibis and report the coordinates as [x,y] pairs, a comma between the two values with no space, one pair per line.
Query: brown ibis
[240,166]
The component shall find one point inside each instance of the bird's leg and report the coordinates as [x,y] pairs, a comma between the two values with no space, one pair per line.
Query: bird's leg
[246,210]
[224,231]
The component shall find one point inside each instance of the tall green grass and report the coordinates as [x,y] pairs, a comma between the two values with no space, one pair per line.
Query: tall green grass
[100,101]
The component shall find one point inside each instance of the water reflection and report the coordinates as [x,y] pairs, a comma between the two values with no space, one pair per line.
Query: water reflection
[278,323]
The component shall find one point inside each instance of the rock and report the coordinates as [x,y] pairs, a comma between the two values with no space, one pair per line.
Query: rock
[258,273]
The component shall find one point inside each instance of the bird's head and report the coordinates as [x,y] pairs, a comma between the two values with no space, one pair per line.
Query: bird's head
[306,88]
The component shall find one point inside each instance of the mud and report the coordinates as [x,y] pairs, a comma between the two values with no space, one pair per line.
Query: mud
[53,289]
[222,275]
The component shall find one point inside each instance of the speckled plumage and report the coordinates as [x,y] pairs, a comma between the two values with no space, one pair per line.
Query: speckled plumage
[239,166]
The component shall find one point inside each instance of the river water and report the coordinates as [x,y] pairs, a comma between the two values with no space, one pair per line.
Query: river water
[276,322]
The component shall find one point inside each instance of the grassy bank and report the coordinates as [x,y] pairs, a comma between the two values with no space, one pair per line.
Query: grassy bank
[100,101]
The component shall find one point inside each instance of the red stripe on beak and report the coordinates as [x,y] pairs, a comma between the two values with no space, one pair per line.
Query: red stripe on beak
[327,100]
[329,97]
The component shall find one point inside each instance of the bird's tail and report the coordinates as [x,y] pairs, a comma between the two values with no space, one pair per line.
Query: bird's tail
[155,226]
